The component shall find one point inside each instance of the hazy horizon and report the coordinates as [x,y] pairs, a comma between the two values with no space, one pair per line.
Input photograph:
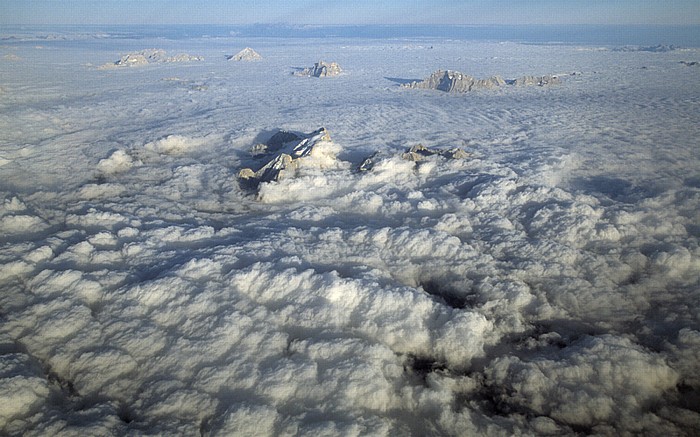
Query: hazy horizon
[312,12]
[605,35]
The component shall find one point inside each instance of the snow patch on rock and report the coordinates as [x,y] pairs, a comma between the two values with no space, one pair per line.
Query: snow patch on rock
[455,82]
[149,56]
[247,54]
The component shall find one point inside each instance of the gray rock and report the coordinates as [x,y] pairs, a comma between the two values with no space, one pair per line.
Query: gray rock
[321,69]
[149,56]
[456,82]
[420,152]
[286,148]
[368,163]
[271,171]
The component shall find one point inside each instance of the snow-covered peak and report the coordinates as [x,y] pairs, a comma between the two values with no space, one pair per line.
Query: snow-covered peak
[247,54]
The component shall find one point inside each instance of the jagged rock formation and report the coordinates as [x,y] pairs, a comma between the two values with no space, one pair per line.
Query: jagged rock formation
[321,69]
[420,152]
[690,63]
[289,148]
[660,48]
[247,54]
[285,153]
[415,154]
[456,82]
[149,56]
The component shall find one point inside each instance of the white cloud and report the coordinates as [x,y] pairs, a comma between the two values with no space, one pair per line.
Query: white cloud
[598,381]
[118,161]
[174,145]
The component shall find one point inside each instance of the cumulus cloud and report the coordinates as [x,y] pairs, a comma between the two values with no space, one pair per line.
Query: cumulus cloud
[118,161]
[597,382]
[174,145]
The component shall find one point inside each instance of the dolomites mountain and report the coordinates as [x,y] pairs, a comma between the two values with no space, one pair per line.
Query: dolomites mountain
[289,150]
[321,69]
[247,54]
[149,56]
[455,82]
[285,152]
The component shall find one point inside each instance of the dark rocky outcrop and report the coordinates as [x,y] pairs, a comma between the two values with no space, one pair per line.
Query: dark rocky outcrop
[415,153]
[420,152]
[284,150]
[321,69]
[456,82]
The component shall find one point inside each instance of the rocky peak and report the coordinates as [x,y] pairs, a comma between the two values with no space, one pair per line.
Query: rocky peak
[455,82]
[321,69]
[281,154]
[149,56]
[247,54]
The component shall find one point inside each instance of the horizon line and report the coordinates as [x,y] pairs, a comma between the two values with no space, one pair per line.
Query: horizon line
[285,24]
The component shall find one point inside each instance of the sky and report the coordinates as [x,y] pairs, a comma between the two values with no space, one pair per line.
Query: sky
[334,12]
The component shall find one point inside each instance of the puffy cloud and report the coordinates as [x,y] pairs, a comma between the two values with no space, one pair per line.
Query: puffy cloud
[600,380]
[118,161]
[174,145]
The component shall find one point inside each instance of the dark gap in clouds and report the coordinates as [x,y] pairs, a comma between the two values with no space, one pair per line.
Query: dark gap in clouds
[693,182]
[448,296]
[689,397]
[125,413]
[421,366]
[615,188]
[469,189]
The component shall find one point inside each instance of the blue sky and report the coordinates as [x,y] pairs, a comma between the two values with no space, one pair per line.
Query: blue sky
[350,12]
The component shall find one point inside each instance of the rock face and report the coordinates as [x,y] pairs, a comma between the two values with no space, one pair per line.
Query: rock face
[286,153]
[286,149]
[415,154]
[149,56]
[420,152]
[321,69]
[456,82]
[247,54]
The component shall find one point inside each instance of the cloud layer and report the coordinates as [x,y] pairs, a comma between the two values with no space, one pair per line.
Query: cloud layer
[545,284]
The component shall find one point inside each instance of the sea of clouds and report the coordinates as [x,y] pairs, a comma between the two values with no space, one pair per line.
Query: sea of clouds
[546,284]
